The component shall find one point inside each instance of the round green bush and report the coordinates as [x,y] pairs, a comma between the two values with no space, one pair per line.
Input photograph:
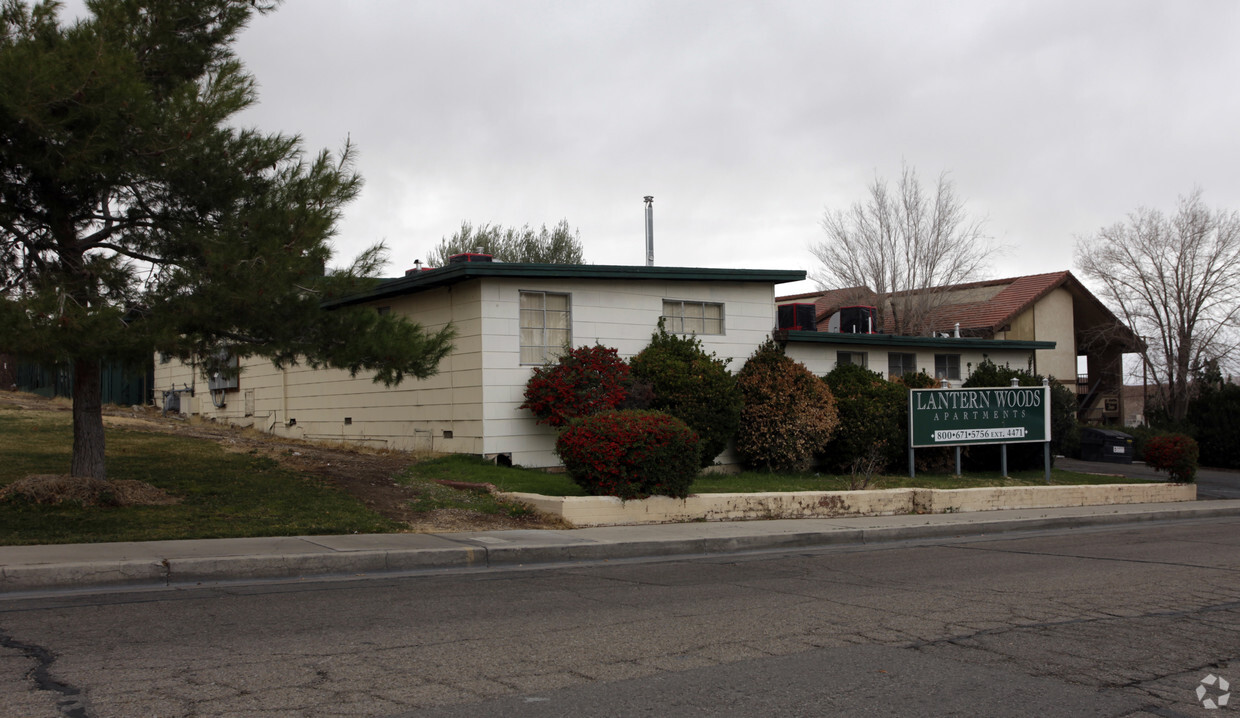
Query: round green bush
[873,418]
[631,454]
[692,385]
[788,415]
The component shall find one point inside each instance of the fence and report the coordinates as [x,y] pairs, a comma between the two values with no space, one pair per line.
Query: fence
[123,383]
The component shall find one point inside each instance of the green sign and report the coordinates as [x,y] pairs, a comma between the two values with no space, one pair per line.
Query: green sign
[983,415]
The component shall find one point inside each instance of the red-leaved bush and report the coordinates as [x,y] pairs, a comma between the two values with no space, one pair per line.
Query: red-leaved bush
[584,381]
[1174,453]
[630,454]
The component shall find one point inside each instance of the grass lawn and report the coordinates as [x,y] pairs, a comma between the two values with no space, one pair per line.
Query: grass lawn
[224,494]
[471,469]
[240,494]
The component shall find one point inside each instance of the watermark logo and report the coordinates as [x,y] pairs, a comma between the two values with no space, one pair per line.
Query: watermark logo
[1213,692]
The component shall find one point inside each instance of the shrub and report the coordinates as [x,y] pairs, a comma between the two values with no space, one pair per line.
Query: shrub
[1141,436]
[788,415]
[584,381]
[630,454]
[918,380]
[638,394]
[932,460]
[873,420]
[1065,429]
[692,385]
[1065,435]
[1174,453]
[1215,416]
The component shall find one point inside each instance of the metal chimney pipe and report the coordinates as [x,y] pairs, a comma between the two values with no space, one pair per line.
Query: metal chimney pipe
[649,230]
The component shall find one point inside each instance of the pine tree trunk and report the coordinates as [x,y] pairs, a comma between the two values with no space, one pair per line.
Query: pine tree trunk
[87,420]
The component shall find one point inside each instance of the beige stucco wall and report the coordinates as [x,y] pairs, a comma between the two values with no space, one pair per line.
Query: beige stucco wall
[1049,319]
[1053,320]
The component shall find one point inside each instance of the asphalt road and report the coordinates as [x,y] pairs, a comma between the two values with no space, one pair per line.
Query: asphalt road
[1123,621]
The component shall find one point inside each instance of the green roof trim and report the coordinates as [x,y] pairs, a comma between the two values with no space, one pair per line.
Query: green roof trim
[891,340]
[455,273]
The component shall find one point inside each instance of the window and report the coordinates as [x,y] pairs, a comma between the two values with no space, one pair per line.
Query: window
[223,371]
[899,364]
[858,358]
[947,366]
[692,317]
[546,326]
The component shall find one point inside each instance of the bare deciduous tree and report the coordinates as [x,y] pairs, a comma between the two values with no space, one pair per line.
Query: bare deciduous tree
[559,245]
[903,244]
[1174,280]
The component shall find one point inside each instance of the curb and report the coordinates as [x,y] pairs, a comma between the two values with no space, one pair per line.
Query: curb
[596,511]
[378,563]
[510,556]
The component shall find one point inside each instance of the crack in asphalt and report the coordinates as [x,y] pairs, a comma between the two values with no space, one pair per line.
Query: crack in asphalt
[959,639]
[71,703]
[1159,711]
[1212,666]
[1146,685]
[1114,559]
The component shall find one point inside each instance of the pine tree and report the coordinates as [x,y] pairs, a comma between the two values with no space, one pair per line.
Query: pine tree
[134,218]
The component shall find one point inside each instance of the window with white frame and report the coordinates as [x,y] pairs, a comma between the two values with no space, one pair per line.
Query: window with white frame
[692,317]
[947,366]
[858,358]
[546,326]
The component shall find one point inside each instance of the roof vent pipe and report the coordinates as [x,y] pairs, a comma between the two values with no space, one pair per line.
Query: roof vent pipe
[957,335]
[649,230]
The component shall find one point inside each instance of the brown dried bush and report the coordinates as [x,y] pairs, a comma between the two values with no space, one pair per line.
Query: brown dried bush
[56,489]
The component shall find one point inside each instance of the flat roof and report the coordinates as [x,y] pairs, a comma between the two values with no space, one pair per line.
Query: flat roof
[892,340]
[455,273]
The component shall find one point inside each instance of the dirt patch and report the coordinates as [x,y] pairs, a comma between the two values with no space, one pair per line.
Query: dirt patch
[365,473]
[59,489]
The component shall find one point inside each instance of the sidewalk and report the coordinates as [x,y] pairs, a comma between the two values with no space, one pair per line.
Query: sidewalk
[156,564]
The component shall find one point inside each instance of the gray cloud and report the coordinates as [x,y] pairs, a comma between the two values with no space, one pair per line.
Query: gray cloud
[746,119]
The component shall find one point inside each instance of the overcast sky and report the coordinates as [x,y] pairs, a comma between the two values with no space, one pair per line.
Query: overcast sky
[745,120]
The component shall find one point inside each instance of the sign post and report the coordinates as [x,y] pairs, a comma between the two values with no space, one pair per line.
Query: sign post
[979,415]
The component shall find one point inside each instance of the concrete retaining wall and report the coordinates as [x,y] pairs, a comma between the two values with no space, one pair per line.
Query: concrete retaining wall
[585,511]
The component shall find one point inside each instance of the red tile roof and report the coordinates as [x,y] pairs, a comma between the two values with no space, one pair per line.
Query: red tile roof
[992,315]
[1012,296]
